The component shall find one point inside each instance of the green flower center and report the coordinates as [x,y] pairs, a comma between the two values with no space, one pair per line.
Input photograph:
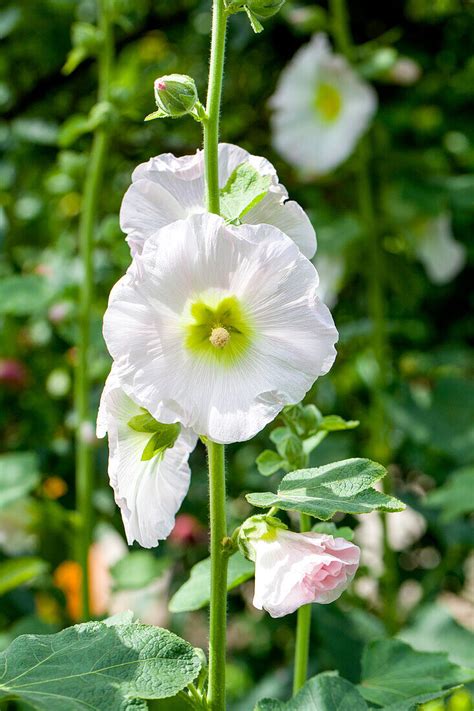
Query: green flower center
[328,102]
[222,331]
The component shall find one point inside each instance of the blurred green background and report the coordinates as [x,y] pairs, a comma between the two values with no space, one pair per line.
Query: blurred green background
[423,146]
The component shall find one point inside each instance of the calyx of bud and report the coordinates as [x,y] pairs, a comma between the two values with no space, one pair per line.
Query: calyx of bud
[257,528]
[256,10]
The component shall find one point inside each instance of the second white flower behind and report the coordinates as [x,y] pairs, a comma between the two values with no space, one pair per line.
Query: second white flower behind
[219,327]
[321,108]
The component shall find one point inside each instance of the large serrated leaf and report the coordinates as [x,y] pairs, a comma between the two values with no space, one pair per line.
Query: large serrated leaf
[340,487]
[98,667]
[398,678]
[196,591]
[18,476]
[244,189]
[324,692]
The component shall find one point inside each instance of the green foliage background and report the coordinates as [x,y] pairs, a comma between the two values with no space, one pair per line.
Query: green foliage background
[423,165]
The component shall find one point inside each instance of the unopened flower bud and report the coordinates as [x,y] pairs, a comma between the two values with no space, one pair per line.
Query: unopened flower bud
[175,95]
[263,9]
[405,71]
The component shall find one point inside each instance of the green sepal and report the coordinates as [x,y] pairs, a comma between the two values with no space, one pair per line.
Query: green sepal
[243,190]
[161,441]
[256,25]
[155,115]
[144,423]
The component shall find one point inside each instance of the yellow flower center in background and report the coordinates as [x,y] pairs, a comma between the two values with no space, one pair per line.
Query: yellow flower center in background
[222,331]
[328,102]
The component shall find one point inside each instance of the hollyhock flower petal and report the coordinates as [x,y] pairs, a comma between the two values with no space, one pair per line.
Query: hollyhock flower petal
[149,493]
[294,569]
[199,275]
[442,256]
[166,189]
[321,108]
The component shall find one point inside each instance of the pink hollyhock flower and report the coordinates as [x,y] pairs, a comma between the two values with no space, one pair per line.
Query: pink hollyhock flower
[293,569]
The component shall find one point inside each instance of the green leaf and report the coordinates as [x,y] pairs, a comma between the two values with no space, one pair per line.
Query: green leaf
[22,295]
[18,476]
[137,570]
[18,571]
[433,629]
[454,498]
[343,487]
[269,462]
[330,529]
[398,678]
[97,666]
[196,591]
[334,423]
[324,692]
[244,189]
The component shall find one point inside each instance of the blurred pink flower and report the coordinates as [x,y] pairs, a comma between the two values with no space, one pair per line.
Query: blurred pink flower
[294,569]
[187,531]
[12,373]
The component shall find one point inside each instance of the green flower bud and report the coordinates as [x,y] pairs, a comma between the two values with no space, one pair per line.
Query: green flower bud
[263,9]
[175,95]
[254,529]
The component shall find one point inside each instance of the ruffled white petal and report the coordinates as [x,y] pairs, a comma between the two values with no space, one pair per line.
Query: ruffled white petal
[260,266]
[166,189]
[149,493]
[300,135]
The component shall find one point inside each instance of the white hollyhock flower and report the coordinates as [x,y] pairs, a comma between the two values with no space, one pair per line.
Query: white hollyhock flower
[219,327]
[166,189]
[331,270]
[149,493]
[294,569]
[321,108]
[441,255]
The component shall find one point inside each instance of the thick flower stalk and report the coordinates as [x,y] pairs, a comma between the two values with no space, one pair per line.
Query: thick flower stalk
[92,191]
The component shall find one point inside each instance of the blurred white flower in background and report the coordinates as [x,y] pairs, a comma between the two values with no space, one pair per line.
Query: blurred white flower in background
[442,256]
[321,108]
[331,272]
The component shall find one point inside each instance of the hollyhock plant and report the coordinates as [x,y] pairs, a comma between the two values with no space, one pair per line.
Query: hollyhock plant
[149,482]
[166,189]
[218,327]
[294,569]
[321,109]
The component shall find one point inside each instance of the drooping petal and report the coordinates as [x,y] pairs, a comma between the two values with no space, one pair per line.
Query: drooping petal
[149,493]
[291,334]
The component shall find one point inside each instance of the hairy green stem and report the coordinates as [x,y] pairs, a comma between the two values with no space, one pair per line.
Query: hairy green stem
[94,176]
[218,601]
[376,307]
[303,629]
[214,91]
[217,493]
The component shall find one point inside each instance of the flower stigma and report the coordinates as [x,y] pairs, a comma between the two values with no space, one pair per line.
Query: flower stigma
[219,337]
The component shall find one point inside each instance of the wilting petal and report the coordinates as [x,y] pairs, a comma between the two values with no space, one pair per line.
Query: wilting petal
[149,493]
